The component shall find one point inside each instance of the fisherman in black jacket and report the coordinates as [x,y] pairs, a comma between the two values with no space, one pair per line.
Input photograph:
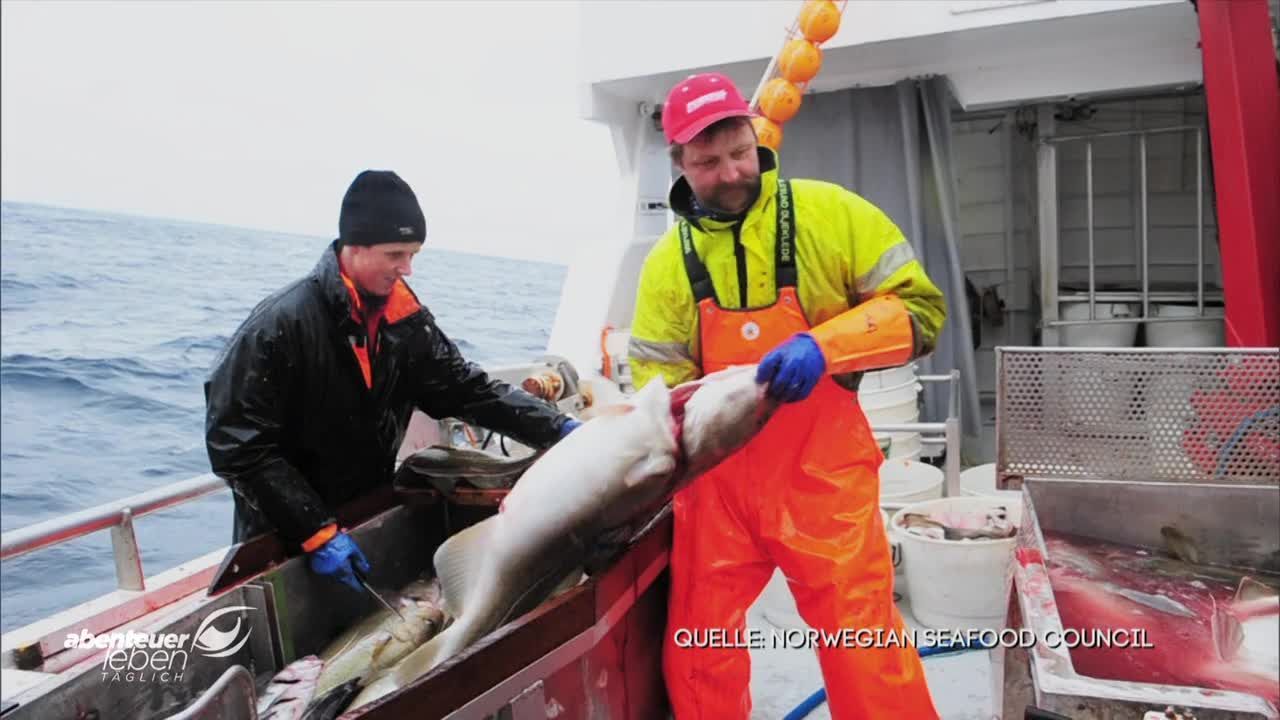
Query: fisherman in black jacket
[308,404]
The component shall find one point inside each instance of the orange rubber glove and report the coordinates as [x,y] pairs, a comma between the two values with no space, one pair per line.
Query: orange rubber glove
[876,334]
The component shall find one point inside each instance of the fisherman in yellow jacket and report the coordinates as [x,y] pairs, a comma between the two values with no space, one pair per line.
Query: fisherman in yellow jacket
[816,285]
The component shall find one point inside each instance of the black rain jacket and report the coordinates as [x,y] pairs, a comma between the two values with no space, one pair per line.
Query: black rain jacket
[292,427]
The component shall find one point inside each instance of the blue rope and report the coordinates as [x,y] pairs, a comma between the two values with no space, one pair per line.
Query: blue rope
[1224,455]
[807,706]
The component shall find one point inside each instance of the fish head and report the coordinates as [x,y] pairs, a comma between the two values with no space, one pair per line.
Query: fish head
[919,520]
[718,414]
[1180,545]
[923,526]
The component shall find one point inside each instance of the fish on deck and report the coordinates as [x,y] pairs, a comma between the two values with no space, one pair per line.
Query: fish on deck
[382,639]
[289,693]
[597,486]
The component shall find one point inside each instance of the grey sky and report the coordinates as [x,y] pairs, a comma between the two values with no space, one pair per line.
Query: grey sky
[260,114]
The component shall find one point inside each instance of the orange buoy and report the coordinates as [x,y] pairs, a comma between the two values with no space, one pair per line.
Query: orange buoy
[819,20]
[768,132]
[780,100]
[799,61]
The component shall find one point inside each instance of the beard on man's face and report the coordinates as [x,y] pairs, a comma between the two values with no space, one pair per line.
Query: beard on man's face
[732,198]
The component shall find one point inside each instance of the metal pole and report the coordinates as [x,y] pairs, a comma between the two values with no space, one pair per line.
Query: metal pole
[917,427]
[1135,352]
[1113,321]
[124,545]
[1120,133]
[953,457]
[953,438]
[1047,223]
[1146,280]
[1242,97]
[768,72]
[1088,194]
[955,394]
[1200,222]
[1010,258]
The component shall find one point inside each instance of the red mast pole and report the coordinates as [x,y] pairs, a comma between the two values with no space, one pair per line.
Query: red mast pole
[1243,99]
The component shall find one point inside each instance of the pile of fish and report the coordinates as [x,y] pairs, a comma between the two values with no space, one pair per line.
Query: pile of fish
[992,524]
[322,687]
[599,485]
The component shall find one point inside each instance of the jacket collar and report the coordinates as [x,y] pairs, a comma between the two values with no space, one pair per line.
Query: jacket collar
[680,198]
[343,300]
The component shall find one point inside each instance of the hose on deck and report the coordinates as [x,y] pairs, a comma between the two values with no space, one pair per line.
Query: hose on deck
[808,704]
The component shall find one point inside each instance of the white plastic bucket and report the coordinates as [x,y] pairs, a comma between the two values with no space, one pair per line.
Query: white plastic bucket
[980,481]
[1103,335]
[903,482]
[1195,332]
[903,409]
[877,380]
[890,398]
[957,583]
[894,404]
[908,482]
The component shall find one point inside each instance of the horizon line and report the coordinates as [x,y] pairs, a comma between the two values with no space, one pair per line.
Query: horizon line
[294,233]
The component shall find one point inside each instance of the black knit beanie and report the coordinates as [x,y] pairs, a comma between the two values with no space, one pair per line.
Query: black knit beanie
[379,207]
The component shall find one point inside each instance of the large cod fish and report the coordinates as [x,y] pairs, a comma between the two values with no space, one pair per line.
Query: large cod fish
[591,490]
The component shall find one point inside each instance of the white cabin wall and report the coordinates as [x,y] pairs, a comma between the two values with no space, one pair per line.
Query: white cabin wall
[618,36]
[997,246]
[599,288]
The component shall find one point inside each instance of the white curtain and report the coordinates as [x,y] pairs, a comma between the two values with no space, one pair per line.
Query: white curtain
[892,146]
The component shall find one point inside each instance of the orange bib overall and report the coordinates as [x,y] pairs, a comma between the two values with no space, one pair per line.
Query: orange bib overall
[802,496]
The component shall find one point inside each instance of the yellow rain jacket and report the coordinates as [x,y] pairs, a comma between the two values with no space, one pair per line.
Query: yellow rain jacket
[848,251]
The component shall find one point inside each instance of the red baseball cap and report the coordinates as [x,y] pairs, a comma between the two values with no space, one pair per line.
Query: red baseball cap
[697,102]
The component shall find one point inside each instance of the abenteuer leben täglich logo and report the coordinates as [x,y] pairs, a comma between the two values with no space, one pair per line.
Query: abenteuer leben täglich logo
[162,657]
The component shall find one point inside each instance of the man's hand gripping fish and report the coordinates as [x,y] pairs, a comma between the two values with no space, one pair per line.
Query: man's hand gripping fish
[603,481]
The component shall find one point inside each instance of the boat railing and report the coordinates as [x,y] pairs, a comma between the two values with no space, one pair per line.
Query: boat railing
[31,646]
[118,515]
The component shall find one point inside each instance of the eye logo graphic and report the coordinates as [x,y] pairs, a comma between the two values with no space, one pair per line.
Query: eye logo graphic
[213,642]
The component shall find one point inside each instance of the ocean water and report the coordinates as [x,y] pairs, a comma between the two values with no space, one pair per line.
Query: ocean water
[108,326]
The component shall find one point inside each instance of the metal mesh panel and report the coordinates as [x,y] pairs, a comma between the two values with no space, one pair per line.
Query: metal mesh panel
[1139,414]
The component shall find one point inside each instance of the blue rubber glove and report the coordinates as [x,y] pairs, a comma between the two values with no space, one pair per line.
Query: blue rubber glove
[792,369]
[335,559]
[569,426]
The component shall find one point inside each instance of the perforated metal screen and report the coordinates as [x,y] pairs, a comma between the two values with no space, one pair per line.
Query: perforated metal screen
[1140,414]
